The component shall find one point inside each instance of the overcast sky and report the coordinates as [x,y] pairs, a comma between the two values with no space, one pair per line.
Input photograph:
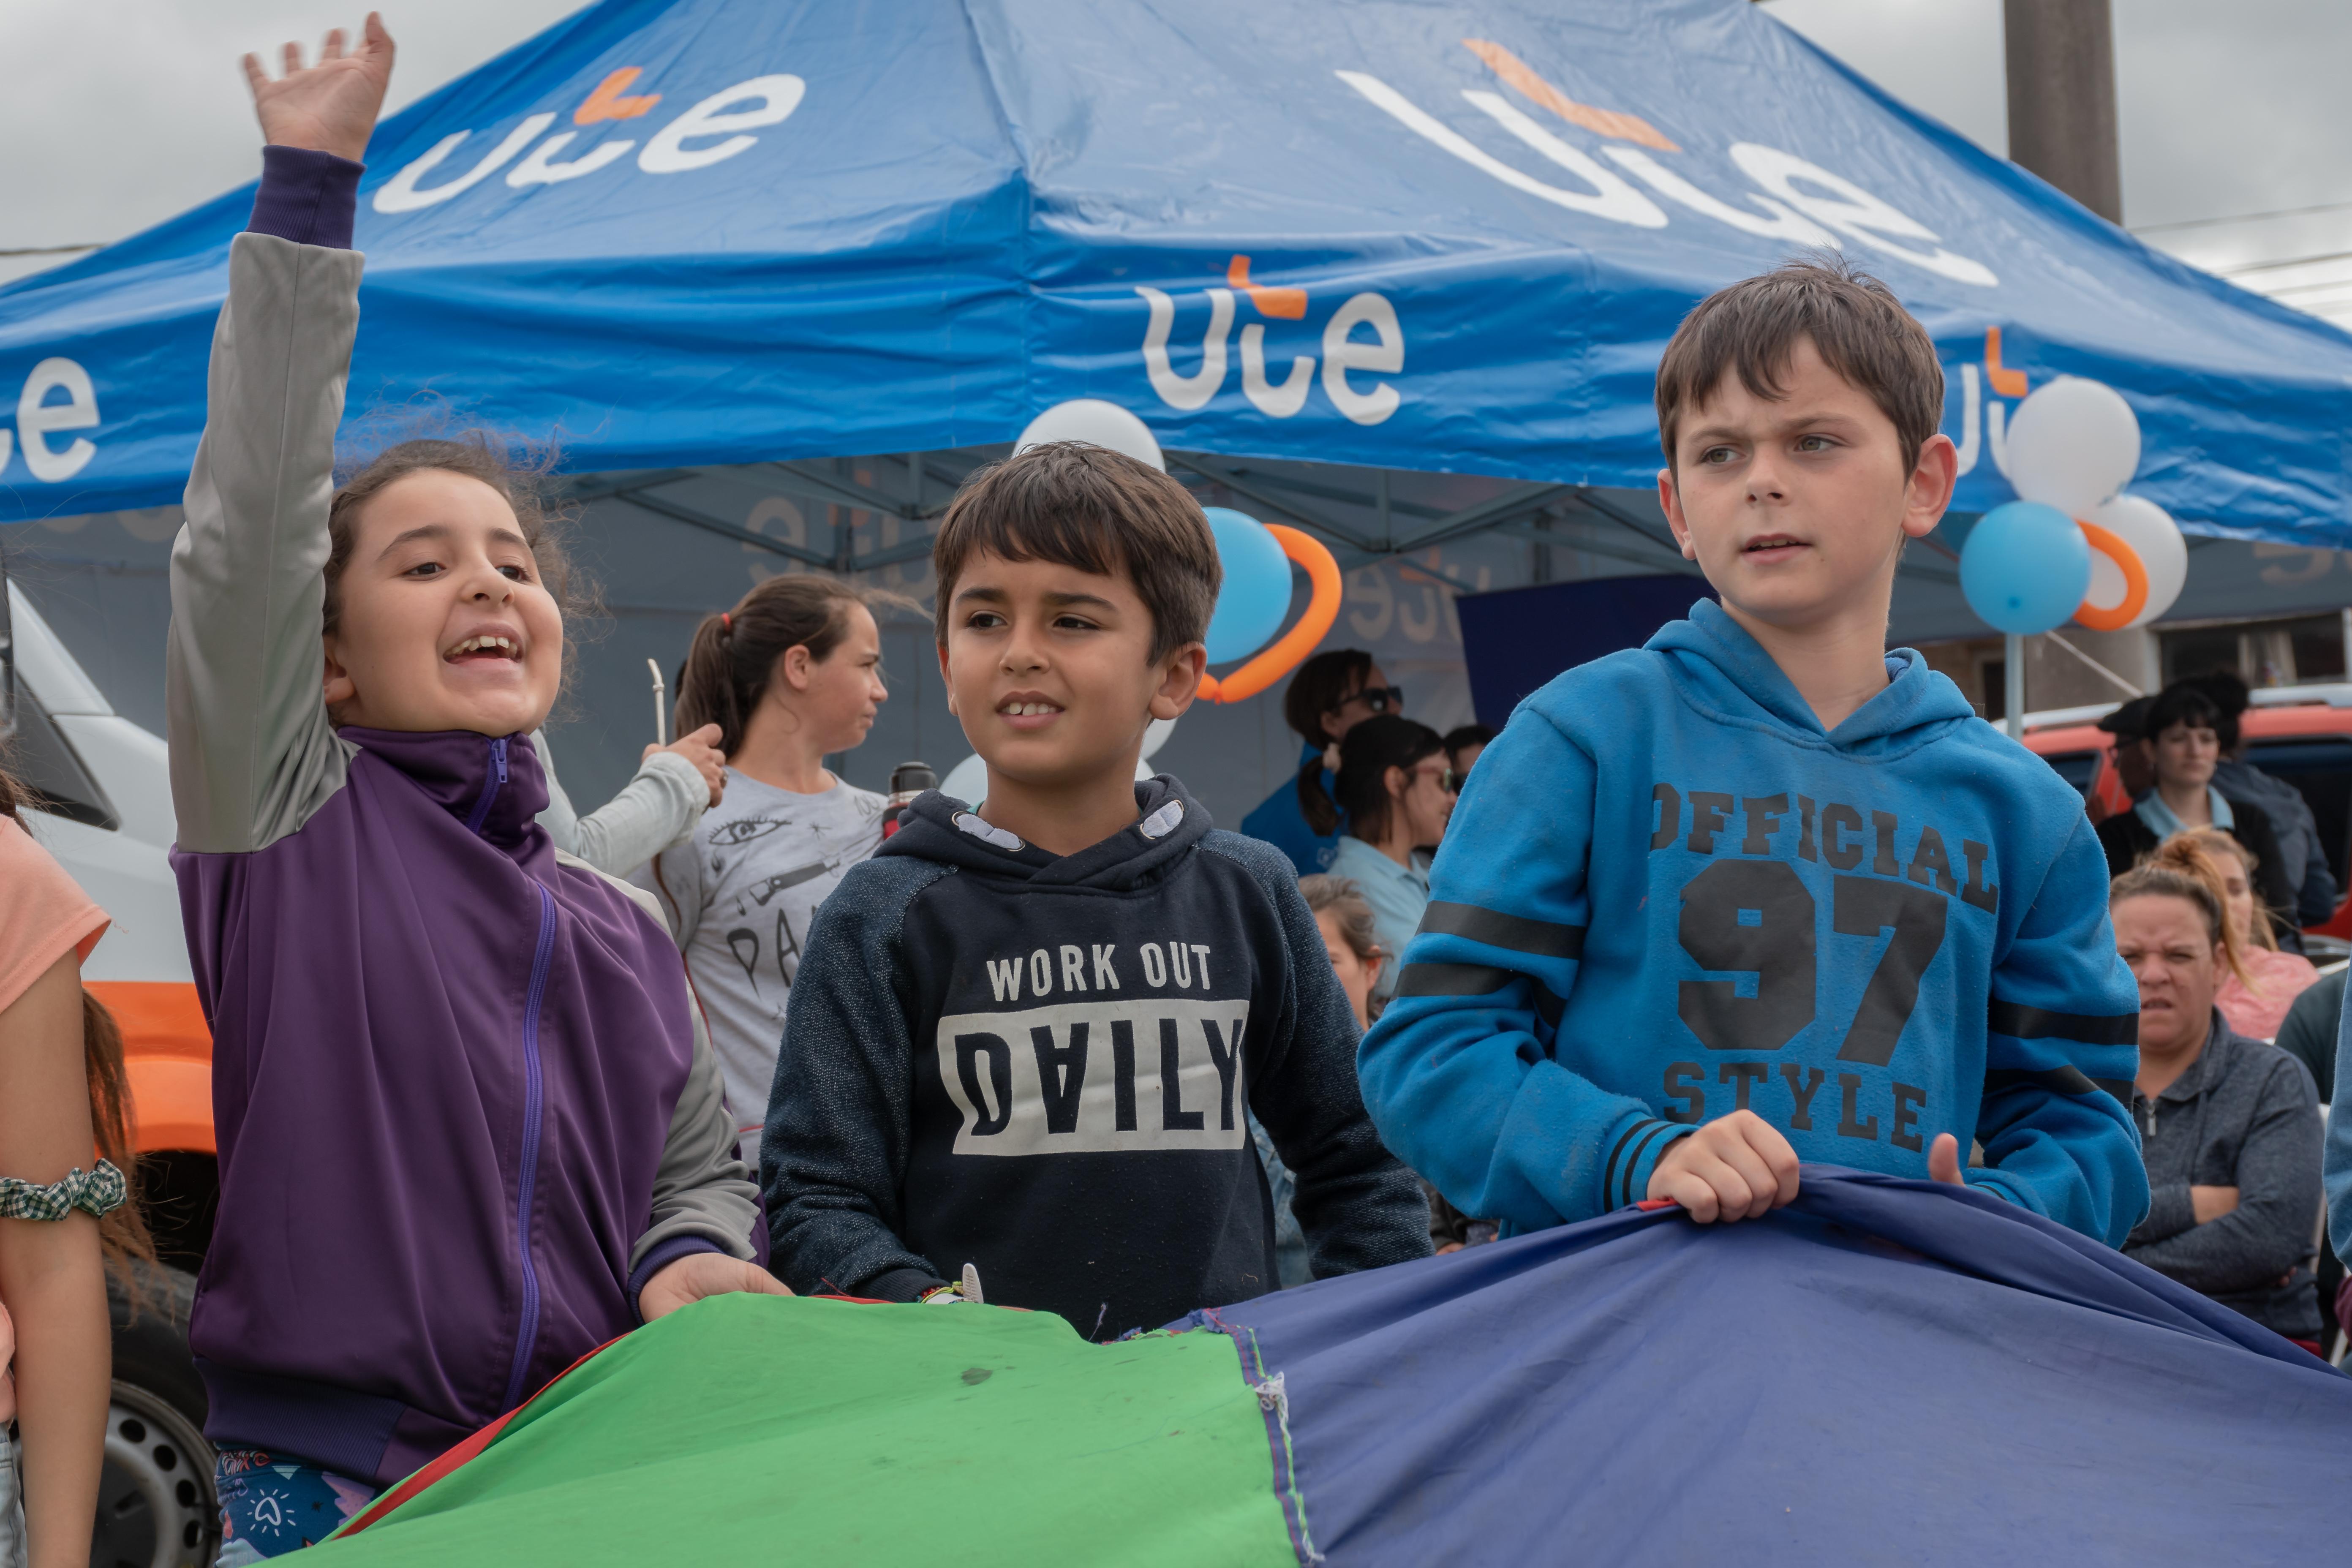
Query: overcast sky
[122,113]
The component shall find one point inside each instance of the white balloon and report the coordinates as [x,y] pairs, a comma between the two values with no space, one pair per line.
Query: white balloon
[2072,445]
[1092,419]
[967,781]
[2150,530]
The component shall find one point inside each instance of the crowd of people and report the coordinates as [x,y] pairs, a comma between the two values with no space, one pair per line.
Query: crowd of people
[497,1081]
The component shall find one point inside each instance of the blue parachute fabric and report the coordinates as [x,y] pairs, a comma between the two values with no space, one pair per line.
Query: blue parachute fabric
[1887,1371]
[1439,235]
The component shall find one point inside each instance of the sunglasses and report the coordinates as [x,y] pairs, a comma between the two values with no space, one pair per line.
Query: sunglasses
[1379,698]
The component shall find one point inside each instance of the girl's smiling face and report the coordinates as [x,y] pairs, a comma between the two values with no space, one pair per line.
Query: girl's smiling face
[443,621]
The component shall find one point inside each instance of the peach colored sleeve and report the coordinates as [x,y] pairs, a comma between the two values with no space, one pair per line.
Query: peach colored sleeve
[44,914]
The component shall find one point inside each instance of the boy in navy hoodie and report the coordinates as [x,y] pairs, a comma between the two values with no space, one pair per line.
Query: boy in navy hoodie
[1762,891]
[1024,1037]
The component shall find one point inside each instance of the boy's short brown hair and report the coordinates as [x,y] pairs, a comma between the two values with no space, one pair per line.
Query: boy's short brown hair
[1861,330]
[1085,506]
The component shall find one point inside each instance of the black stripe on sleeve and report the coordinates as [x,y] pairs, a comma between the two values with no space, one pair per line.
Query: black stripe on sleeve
[2057,1080]
[1634,1160]
[1609,1171]
[2022,1022]
[1539,939]
[1422,978]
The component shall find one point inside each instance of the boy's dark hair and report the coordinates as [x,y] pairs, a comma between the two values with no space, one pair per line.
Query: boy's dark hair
[1321,684]
[1462,735]
[2182,702]
[1076,504]
[1861,330]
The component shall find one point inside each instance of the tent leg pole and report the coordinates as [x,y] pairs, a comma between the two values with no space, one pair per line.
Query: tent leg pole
[2012,681]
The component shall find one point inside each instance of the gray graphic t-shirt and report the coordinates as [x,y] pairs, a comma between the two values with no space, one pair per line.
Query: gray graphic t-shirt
[741,894]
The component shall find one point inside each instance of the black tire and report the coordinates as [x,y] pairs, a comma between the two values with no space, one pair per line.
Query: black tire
[156,1505]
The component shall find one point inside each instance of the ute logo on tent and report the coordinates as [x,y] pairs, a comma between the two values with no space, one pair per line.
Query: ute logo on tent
[727,114]
[1802,202]
[1342,352]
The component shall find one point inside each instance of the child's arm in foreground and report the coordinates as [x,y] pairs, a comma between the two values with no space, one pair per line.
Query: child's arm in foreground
[1459,1072]
[252,754]
[2061,1051]
[1359,1206]
[834,1156]
[698,1241]
[50,1272]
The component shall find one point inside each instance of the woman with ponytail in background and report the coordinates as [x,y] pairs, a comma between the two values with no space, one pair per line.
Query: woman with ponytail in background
[790,676]
[1394,792]
[65,1210]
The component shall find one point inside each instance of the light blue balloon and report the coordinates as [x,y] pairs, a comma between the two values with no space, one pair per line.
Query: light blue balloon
[2025,567]
[1257,594]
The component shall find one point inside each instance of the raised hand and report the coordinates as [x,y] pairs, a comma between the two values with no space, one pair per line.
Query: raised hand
[701,748]
[330,107]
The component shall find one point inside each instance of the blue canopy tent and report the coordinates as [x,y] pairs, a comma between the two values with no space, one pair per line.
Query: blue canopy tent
[714,247]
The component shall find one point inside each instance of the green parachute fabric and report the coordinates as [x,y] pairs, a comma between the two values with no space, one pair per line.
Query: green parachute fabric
[772,1429]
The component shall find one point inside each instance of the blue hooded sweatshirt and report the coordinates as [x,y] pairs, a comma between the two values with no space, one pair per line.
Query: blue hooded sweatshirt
[1668,894]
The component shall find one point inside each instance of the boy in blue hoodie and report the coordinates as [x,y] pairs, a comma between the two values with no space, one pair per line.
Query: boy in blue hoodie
[1762,891]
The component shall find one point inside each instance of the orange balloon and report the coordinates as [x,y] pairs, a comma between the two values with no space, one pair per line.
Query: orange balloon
[1274,662]
[2135,573]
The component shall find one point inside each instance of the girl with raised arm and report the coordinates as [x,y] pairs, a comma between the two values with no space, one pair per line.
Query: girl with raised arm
[469,1128]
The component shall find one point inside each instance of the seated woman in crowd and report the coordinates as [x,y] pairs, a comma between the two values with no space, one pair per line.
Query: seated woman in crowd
[2182,746]
[2258,989]
[2229,1126]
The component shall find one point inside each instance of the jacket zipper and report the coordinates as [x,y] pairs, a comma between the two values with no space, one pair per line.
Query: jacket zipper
[527,1332]
[490,788]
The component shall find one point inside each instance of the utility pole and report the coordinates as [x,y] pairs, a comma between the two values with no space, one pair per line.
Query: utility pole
[2060,60]
[2061,98]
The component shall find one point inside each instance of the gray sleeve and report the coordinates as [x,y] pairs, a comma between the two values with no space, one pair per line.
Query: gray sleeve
[252,753]
[702,1192]
[2271,1230]
[702,1189]
[654,810]
[1357,1203]
[562,823]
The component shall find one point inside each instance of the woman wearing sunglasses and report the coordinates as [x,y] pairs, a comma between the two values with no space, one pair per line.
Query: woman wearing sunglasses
[1397,791]
[1331,694]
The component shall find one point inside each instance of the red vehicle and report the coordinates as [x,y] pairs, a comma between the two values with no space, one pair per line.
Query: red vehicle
[2302,734]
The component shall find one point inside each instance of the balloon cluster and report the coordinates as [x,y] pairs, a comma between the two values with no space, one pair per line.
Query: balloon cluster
[2072,545]
[1256,558]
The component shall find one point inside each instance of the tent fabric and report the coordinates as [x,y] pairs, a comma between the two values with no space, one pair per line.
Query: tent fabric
[1413,234]
[1888,1370]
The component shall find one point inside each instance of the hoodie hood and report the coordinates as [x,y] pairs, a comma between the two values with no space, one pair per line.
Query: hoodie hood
[1727,674]
[1168,822]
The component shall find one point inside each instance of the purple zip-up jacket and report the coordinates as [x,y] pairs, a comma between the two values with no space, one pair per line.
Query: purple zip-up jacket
[463,1104]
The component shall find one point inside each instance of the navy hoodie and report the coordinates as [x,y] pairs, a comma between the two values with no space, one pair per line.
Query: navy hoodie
[1040,1065]
[1667,895]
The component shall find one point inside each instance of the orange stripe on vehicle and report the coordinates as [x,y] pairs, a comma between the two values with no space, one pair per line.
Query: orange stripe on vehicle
[167,1055]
